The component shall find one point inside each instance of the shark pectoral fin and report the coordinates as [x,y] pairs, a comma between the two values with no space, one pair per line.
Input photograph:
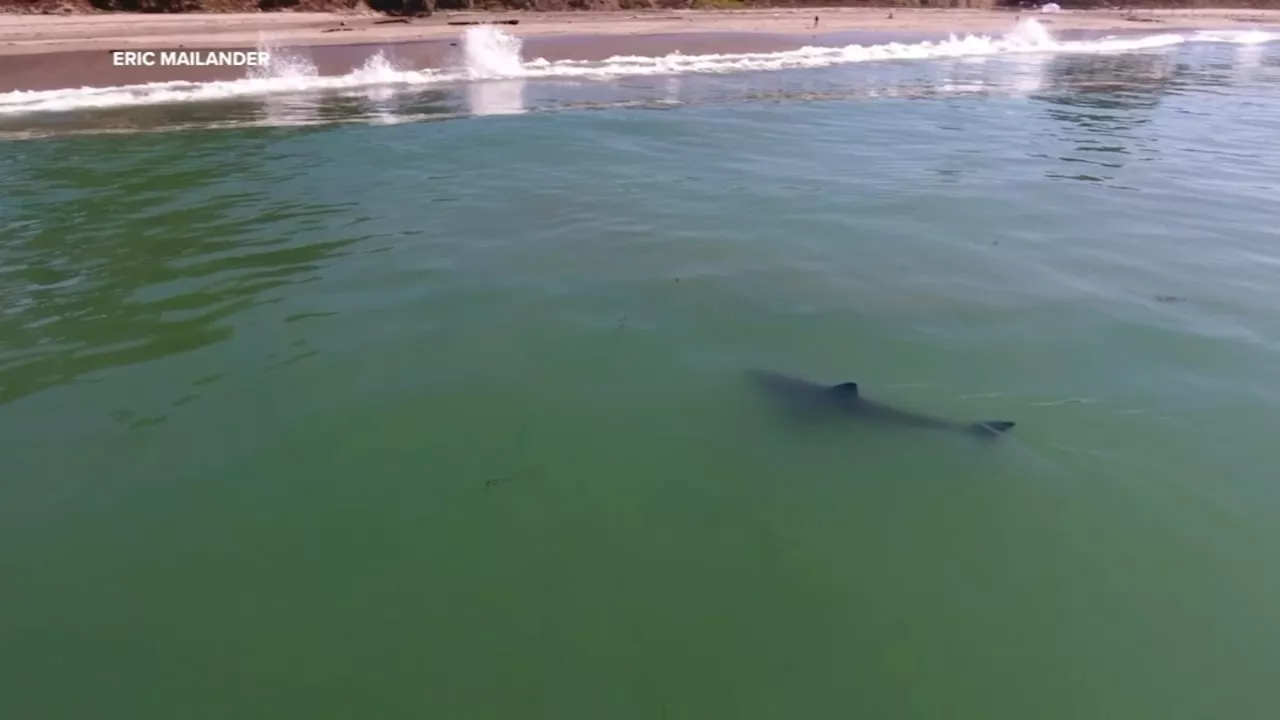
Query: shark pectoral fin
[991,428]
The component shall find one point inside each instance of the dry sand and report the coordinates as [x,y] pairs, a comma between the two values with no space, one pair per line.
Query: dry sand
[32,34]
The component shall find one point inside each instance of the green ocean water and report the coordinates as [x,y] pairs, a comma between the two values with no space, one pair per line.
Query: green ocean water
[450,420]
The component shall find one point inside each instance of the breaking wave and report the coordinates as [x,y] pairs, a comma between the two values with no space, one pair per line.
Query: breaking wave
[490,54]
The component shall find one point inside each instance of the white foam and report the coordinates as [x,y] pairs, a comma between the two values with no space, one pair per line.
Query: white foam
[283,62]
[1031,32]
[490,54]
[1236,37]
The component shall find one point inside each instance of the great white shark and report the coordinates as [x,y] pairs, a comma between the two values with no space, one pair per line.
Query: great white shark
[814,399]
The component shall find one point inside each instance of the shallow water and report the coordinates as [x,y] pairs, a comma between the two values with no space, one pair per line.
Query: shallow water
[449,419]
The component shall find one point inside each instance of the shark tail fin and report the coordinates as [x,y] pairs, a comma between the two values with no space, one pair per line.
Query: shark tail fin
[991,428]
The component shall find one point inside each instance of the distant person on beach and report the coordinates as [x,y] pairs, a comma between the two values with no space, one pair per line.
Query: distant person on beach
[815,21]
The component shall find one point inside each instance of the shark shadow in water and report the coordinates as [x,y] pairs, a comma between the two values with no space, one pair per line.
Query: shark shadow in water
[811,400]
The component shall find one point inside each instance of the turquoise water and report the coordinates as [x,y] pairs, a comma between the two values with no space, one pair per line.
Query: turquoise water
[449,419]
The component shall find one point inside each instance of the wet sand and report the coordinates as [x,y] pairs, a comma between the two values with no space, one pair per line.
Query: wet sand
[46,52]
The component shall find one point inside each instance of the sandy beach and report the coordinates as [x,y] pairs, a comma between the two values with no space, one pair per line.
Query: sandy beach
[30,34]
[50,51]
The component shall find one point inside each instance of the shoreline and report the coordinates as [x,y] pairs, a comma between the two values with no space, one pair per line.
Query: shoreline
[41,52]
[38,34]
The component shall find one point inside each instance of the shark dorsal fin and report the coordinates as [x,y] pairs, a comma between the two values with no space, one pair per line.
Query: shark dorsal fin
[847,389]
